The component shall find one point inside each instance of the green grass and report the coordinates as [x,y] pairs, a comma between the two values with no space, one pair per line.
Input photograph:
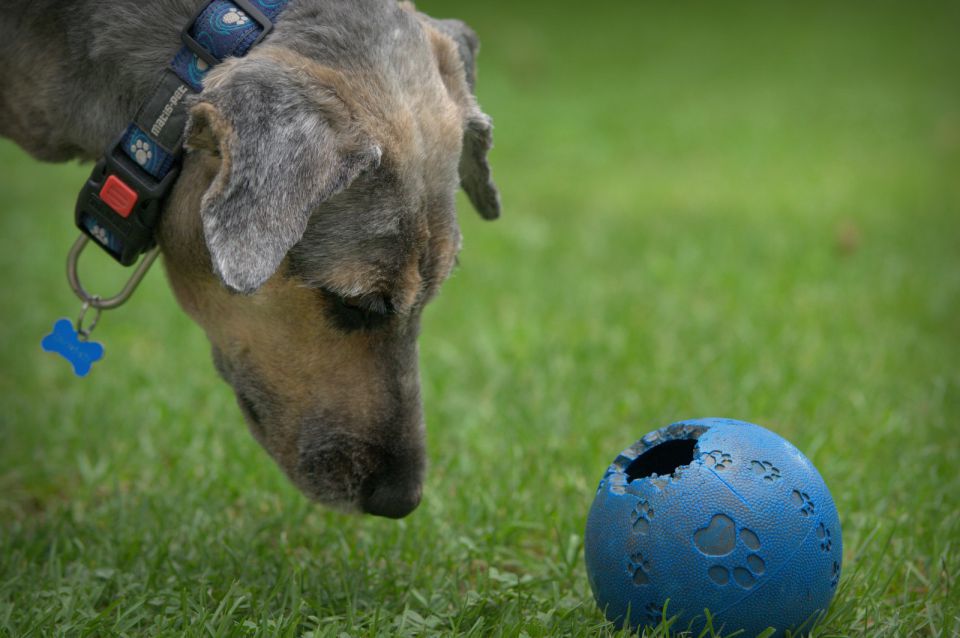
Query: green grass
[748,210]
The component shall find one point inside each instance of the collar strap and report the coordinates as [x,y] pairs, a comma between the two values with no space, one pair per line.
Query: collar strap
[120,204]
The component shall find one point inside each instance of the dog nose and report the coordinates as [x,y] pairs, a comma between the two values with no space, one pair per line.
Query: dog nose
[391,498]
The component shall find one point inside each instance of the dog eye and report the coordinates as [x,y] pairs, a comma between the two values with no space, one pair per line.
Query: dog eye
[374,304]
[363,312]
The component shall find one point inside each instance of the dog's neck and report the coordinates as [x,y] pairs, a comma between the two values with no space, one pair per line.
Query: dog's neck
[110,53]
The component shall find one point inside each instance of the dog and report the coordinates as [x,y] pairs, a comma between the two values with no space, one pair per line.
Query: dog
[314,214]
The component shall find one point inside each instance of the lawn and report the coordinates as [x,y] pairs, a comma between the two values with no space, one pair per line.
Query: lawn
[742,209]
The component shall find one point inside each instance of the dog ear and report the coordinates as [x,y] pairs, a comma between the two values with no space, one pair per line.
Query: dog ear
[283,151]
[459,71]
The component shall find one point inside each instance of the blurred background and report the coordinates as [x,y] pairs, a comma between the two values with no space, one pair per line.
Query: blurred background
[745,209]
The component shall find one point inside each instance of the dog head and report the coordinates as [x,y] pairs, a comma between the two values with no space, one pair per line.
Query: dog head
[313,220]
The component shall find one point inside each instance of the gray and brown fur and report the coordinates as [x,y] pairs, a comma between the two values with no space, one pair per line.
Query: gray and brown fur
[314,216]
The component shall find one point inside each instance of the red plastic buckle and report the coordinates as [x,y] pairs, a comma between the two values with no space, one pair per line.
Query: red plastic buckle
[118,196]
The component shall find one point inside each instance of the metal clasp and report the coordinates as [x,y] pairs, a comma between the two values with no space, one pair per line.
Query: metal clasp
[84,333]
[254,13]
[95,301]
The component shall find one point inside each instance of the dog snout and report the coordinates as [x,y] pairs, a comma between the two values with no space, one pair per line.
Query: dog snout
[380,477]
[391,497]
[395,488]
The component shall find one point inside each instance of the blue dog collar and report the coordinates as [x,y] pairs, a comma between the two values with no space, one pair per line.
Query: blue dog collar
[120,204]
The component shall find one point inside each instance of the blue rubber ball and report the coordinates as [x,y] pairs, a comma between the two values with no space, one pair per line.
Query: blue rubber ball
[713,514]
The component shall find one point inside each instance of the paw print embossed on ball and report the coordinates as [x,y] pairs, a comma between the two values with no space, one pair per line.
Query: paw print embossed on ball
[823,533]
[639,569]
[766,470]
[803,502]
[718,460]
[142,152]
[713,514]
[835,574]
[654,613]
[641,516]
[720,539]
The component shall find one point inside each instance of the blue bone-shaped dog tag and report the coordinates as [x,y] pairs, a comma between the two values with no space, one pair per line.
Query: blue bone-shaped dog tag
[65,341]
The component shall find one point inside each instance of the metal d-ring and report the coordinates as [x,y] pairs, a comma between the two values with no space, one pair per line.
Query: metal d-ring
[78,326]
[95,301]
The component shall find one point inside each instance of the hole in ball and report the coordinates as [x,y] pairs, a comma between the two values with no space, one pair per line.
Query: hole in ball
[663,459]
